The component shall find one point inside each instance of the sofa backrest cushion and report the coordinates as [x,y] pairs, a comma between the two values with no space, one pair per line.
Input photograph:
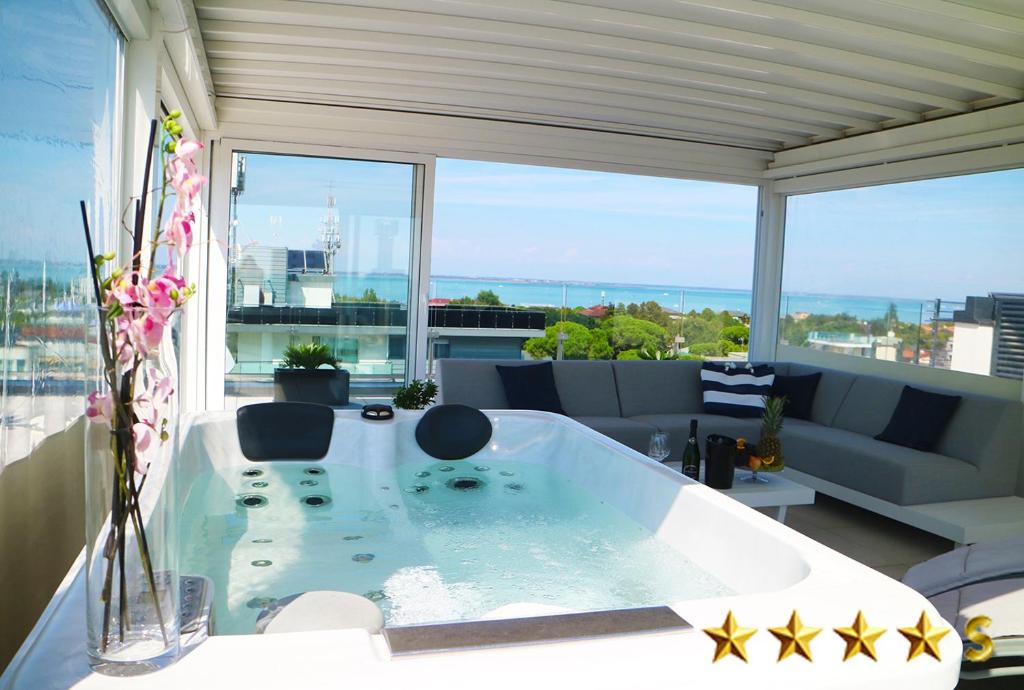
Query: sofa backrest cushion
[585,388]
[986,431]
[830,393]
[530,387]
[658,387]
[473,382]
[869,405]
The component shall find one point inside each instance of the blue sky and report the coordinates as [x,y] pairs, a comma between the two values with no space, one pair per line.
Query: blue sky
[496,219]
[948,237]
[57,76]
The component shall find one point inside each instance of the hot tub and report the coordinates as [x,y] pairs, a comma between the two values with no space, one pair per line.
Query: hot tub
[549,518]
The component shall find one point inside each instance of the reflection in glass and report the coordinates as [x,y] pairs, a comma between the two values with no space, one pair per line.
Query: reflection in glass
[319,252]
[60,65]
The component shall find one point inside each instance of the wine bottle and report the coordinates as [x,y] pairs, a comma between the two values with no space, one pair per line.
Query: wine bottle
[691,454]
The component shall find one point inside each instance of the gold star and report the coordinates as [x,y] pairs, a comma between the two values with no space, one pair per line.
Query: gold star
[730,638]
[924,638]
[795,638]
[860,638]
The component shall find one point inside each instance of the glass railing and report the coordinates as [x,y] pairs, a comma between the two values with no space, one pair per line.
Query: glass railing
[920,332]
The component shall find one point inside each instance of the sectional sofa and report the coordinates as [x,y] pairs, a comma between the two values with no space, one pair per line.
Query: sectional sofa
[979,456]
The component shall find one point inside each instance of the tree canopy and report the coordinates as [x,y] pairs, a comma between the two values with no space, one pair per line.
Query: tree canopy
[577,346]
[630,333]
[488,298]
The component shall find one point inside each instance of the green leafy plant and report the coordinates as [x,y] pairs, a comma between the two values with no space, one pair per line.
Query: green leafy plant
[707,349]
[415,396]
[308,356]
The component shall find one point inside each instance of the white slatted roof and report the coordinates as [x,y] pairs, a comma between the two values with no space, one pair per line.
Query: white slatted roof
[748,73]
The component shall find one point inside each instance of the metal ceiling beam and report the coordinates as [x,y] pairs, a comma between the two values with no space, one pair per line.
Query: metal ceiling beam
[441,101]
[533,81]
[652,76]
[729,142]
[964,13]
[666,57]
[444,135]
[819,21]
[540,67]
[583,25]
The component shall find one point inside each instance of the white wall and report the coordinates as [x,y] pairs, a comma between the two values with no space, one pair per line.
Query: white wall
[972,348]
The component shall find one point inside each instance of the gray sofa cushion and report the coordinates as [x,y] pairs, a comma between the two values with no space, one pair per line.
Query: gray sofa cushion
[831,392]
[985,432]
[473,382]
[892,473]
[677,426]
[628,432]
[585,388]
[653,387]
[869,405]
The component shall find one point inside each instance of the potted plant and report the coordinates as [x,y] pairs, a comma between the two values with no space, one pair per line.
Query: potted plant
[302,378]
[415,396]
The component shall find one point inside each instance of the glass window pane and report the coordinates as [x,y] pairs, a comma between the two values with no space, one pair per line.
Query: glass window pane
[319,253]
[623,266]
[926,273]
[57,144]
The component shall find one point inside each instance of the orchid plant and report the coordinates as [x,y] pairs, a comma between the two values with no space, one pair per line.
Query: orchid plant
[137,303]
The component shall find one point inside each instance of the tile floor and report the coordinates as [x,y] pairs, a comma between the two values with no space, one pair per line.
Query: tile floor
[888,546]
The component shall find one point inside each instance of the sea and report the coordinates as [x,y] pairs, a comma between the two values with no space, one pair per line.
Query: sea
[552,293]
[549,293]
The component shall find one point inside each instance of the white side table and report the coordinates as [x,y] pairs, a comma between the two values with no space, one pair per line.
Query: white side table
[778,492]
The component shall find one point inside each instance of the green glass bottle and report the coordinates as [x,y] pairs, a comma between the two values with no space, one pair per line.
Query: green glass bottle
[691,454]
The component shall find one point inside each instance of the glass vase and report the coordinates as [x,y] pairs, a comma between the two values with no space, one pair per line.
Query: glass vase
[132,608]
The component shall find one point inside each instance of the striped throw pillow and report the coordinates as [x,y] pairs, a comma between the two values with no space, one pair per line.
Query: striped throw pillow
[735,390]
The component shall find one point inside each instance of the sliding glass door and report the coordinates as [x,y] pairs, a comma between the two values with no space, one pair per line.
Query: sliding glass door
[320,251]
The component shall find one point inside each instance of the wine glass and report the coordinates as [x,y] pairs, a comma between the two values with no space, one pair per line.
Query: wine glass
[658,448]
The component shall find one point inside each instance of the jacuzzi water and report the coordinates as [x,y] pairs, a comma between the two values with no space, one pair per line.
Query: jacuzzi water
[422,548]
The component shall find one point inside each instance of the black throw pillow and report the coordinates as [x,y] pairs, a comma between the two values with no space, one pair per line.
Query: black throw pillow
[531,387]
[919,419]
[799,393]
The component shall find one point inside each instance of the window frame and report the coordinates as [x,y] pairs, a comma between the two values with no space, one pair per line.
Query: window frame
[214,307]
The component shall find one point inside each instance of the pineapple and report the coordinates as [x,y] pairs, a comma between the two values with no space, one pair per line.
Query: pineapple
[770,447]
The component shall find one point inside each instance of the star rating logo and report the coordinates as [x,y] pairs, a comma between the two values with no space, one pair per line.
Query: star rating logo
[860,638]
[795,638]
[924,638]
[730,638]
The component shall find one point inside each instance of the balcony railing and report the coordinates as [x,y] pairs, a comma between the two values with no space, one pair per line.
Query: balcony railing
[389,314]
[475,316]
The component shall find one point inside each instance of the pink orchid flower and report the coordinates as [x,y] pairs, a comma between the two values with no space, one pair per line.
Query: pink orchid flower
[179,231]
[100,408]
[164,295]
[145,445]
[150,331]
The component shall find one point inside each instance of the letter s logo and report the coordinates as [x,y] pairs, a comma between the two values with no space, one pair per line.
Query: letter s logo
[973,633]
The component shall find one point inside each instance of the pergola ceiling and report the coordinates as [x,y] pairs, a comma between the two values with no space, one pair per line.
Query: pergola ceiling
[748,73]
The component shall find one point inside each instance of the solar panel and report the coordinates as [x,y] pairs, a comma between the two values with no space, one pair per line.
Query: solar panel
[296,260]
